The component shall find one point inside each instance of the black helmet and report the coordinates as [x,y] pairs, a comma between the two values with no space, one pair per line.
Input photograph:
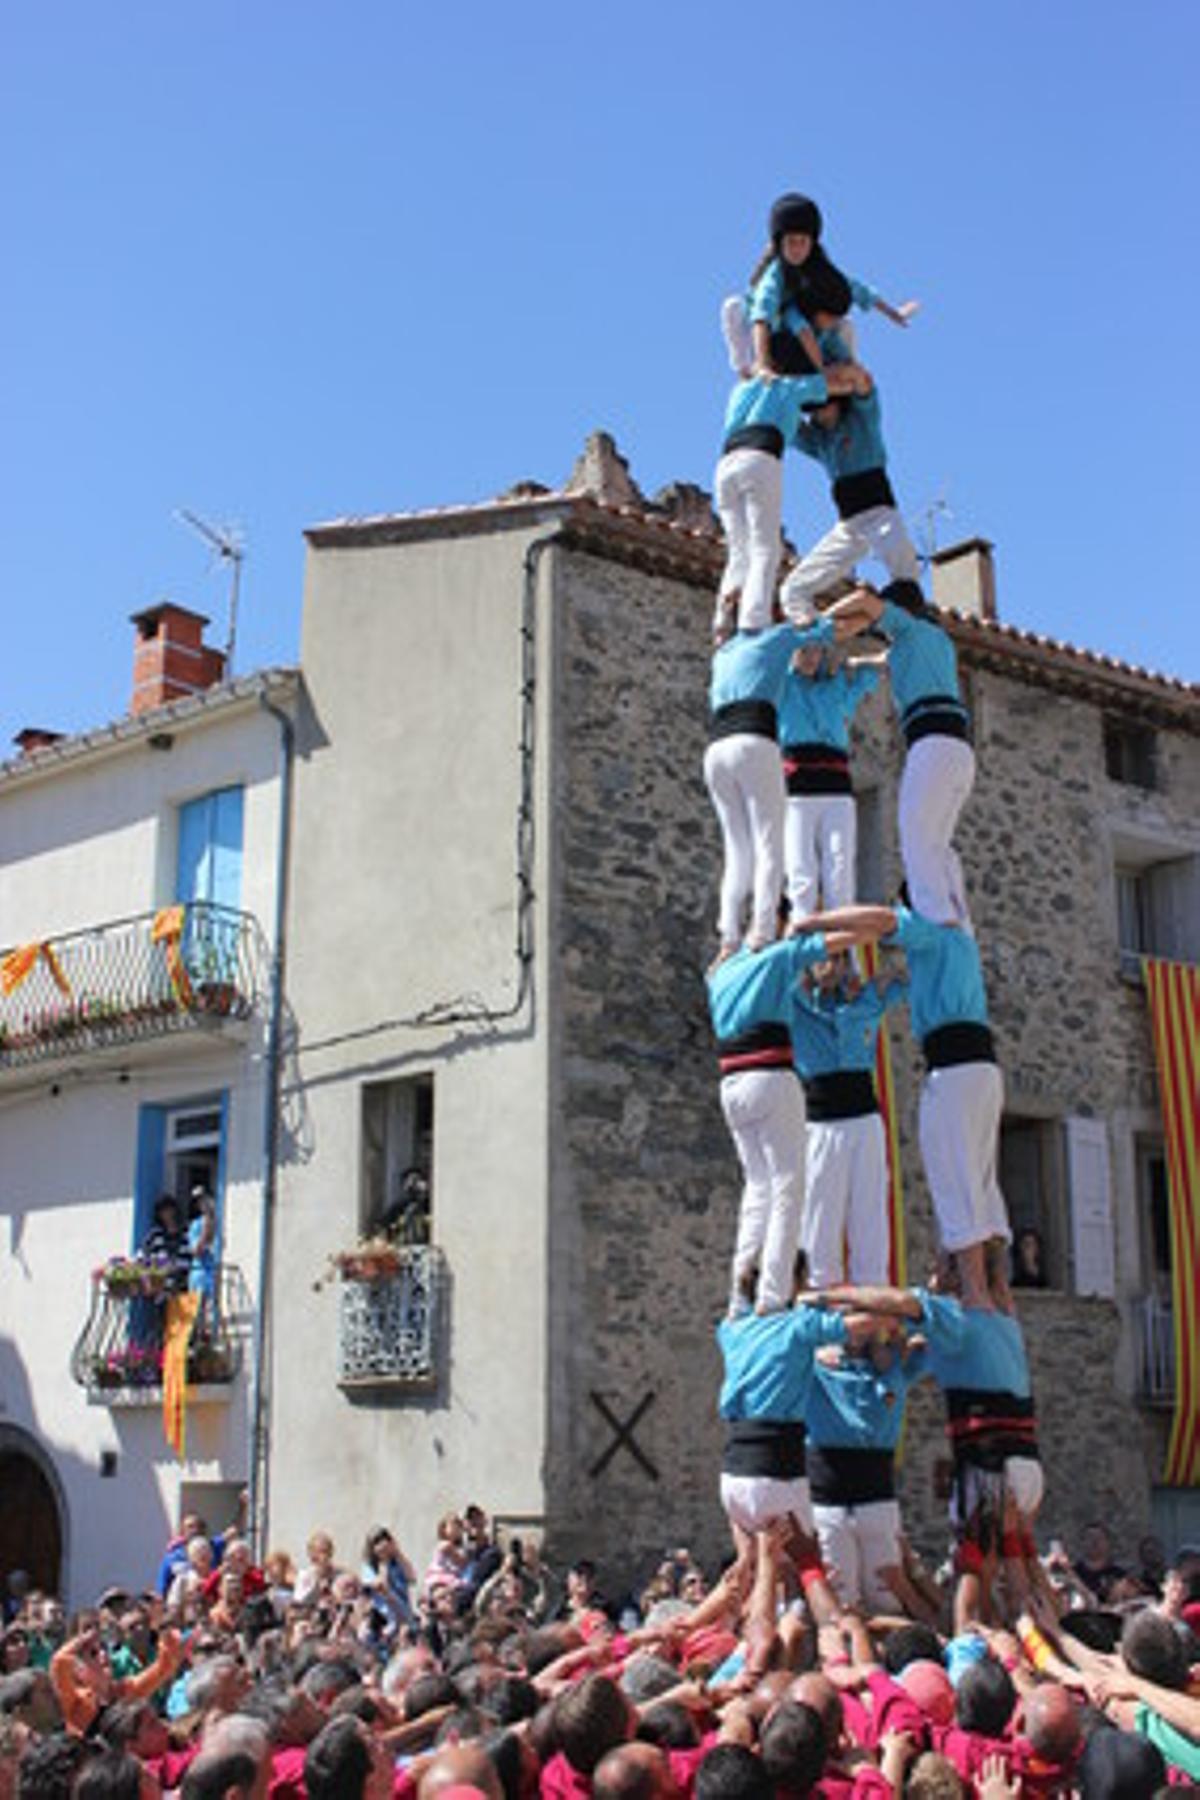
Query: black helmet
[794,212]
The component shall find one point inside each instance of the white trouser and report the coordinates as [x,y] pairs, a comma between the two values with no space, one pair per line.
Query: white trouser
[1023,1483]
[749,496]
[755,1501]
[879,532]
[819,842]
[739,340]
[764,1110]
[857,1543]
[939,773]
[745,780]
[958,1126]
[845,1201]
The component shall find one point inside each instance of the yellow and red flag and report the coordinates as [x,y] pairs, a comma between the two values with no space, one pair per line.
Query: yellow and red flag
[177,1335]
[168,929]
[1173,990]
[19,964]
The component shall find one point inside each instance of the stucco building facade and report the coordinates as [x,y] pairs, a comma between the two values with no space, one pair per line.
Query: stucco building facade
[134,1060]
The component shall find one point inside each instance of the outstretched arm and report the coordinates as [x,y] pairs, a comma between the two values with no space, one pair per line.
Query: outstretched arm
[862,604]
[899,315]
[895,1303]
[868,921]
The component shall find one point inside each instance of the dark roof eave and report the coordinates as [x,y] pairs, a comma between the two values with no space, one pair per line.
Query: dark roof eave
[662,546]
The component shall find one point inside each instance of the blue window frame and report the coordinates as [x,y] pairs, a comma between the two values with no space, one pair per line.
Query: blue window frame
[181,1144]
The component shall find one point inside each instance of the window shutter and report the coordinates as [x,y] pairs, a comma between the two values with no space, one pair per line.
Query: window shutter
[1091,1207]
[148,1169]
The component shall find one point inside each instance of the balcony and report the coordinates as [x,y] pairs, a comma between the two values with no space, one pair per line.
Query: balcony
[117,1357]
[183,968]
[388,1318]
[1154,1329]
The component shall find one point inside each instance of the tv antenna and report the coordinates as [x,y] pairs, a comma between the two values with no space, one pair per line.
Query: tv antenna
[938,508]
[227,542]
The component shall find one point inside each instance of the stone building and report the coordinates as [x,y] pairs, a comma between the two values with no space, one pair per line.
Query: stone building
[502,902]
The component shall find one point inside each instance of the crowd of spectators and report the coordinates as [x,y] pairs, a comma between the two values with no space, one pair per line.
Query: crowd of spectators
[489,1676]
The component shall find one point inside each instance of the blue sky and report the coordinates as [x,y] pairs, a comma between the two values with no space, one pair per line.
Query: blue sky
[279,262]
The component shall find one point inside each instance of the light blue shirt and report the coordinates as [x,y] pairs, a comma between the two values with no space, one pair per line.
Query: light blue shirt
[818,709]
[852,1406]
[851,446]
[968,1348]
[769,1361]
[945,975]
[753,665]
[921,661]
[770,304]
[757,987]
[779,403]
[829,1034]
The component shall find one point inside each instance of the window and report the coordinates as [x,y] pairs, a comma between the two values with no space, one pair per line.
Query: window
[1154,1214]
[208,876]
[1158,905]
[1153,1311]
[397,1157]
[1130,753]
[1031,1180]
[1135,932]
[192,1154]
[180,1147]
[209,863]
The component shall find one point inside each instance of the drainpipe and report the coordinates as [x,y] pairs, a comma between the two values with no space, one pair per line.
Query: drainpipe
[257,1508]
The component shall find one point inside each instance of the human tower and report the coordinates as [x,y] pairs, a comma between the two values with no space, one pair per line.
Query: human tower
[813,1394]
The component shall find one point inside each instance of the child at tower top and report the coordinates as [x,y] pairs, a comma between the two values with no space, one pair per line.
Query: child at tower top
[796,291]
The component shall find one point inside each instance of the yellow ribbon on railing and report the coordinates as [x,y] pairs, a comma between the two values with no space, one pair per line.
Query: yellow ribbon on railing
[177,1335]
[18,964]
[168,929]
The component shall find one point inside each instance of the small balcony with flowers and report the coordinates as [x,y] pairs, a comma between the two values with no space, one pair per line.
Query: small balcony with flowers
[391,1314]
[118,1356]
[113,991]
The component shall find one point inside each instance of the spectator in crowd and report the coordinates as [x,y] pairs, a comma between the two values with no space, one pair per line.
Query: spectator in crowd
[388,1576]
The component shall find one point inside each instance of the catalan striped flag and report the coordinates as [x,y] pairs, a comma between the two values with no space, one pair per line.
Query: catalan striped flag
[1173,990]
[897,1257]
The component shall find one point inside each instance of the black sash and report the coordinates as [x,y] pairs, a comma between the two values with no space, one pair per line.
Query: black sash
[744,718]
[755,437]
[985,1427]
[816,769]
[766,1046]
[962,1041]
[773,1447]
[853,494]
[841,1476]
[840,1094]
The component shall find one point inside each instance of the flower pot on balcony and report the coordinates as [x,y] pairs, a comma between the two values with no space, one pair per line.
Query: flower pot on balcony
[377,1265]
[218,997]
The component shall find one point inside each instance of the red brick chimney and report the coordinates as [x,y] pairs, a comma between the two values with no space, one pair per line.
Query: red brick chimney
[35,737]
[170,658]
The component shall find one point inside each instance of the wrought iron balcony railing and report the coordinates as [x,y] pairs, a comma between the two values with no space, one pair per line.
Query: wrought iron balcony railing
[118,1354]
[388,1320]
[1154,1323]
[130,978]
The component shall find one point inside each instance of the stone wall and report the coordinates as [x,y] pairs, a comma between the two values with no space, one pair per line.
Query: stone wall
[644,1182]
